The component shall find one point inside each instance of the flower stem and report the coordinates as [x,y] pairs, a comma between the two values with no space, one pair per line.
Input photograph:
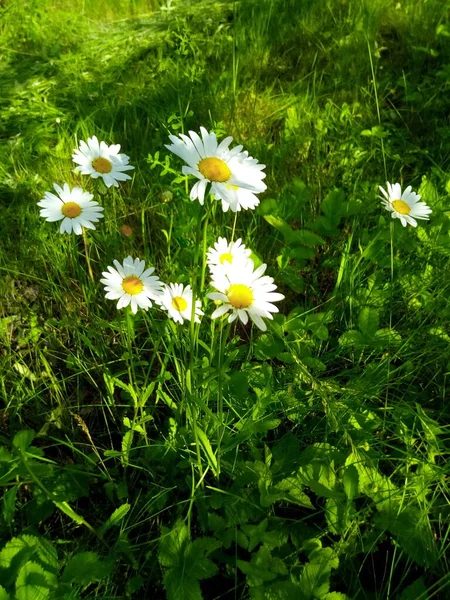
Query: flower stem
[86,253]
[234,226]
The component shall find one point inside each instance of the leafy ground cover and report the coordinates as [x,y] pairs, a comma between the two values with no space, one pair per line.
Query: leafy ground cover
[146,459]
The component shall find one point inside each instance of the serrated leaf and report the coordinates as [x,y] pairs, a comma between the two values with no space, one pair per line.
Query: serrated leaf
[314,580]
[413,532]
[5,455]
[334,205]
[9,504]
[85,568]
[368,321]
[415,590]
[351,482]
[34,583]
[291,490]
[337,514]
[172,544]
[23,439]
[186,562]
[68,510]
[303,236]
[127,443]
[4,594]
[25,548]
[263,567]
[181,588]
[279,590]
[115,518]
[352,338]
[207,449]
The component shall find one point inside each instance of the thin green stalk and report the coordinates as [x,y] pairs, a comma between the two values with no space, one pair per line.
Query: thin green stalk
[86,253]
[220,430]
[234,226]
[137,408]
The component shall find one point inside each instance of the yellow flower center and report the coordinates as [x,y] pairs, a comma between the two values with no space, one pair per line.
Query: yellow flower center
[102,165]
[239,295]
[71,210]
[401,207]
[132,285]
[226,257]
[179,303]
[214,169]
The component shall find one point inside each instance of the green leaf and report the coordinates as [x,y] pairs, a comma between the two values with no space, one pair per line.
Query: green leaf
[181,588]
[68,510]
[263,567]
[23,439]
[4,594]
[279,590]
[315,578]
[337,514]
[127,443]
[303,236]
[26,548]
[172,544]
[207,449]
[269,206]
[268,346]
[351,482]
[413,591]
[186,562]
[9,504]
[413,531]
[34,583]
[291,490]
[85,568]
[115,518]
[352,338]
[5,456]
[368,321]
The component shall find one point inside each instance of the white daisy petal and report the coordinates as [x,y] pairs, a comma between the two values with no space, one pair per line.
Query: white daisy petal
[235,177]
[177,301]
[404,206]
[131,284]
[244,290]
[100,160]
[74,208]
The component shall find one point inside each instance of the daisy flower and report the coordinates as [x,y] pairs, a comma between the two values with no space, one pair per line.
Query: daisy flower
[406,206]
[235,177]
[100,160]
[226,253]
[74,207]
[131,284]
[245,292]
[177,300]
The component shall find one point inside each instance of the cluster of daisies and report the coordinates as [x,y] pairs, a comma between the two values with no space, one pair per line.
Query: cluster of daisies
[241,290]
[232,177]
[75,207]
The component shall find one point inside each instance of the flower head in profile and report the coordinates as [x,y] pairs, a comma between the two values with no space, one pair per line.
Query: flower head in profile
[404,206]
[131,283]
[97,159]
[246,293]
[235,177]
[74,207]
[225,253]
[177,300]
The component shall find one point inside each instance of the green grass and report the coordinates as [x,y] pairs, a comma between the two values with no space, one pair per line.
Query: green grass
[213,462]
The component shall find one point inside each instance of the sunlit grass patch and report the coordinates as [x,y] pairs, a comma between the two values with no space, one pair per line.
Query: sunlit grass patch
[295,445]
